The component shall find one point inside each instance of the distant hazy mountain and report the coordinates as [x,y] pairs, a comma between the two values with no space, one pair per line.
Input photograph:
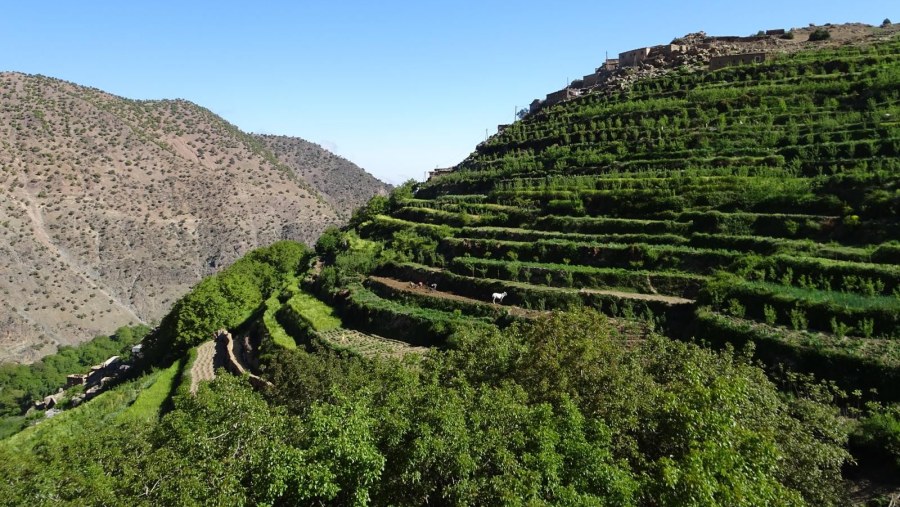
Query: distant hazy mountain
[110,208]
[336,178]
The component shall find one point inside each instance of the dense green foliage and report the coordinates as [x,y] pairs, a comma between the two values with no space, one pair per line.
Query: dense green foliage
[877,438]
[227,299]
[543,413]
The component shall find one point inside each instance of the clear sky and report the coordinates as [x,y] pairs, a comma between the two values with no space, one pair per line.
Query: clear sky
[398,87]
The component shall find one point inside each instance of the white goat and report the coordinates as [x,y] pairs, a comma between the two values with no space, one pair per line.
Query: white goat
[498,296]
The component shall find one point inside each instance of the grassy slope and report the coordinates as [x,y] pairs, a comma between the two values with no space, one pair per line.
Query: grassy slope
[150,401]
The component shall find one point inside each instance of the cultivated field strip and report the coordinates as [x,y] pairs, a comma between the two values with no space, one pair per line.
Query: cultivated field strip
[759,195]
[368,345]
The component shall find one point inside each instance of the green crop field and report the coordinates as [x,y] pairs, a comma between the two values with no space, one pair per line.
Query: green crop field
[783,175]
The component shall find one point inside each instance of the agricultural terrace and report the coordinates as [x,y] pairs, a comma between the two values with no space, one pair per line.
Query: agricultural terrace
[754,203]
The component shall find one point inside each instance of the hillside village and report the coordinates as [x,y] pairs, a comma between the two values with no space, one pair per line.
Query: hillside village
[697,51]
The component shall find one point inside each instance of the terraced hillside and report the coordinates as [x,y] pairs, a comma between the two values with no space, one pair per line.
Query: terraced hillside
[417,356]
[753,203]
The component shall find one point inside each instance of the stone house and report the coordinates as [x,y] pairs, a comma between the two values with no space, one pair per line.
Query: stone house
[590,80]
[439,171]
[667,49]
[561,95]
[76,379]
[634,57]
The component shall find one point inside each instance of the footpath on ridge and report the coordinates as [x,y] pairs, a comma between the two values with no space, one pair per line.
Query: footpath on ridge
[672,300]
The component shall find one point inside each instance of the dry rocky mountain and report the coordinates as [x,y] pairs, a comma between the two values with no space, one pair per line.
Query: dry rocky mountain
[337,179]
[110,209]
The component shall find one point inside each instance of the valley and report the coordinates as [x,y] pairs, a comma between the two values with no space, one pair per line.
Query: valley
[111,209]
[679,285]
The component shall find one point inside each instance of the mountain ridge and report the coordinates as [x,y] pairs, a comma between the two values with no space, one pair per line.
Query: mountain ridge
[131,202]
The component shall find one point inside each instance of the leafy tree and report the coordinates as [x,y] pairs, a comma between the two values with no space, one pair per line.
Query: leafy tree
[666,402]
[330,244]
[377,205]
[402,193]
[414,246]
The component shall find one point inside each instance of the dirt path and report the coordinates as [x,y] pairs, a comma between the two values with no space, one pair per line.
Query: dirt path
[204,366]
[428,291]
[407,286]
[38,227]
[672,300]
[634,332]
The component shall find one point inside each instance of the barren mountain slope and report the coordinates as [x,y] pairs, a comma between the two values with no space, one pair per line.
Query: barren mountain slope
[110,209]
[341,182]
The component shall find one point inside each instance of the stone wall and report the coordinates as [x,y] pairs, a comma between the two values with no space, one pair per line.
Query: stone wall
[718,62]
[236,365]
[590,80]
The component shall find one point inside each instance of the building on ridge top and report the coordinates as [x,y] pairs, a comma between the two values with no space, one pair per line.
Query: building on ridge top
[438,171]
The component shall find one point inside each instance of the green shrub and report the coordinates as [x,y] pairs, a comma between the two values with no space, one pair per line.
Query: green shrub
[330,244]
[771,316]
[839,329]
[819,34]
[798,319]
[877,437]
[735,308]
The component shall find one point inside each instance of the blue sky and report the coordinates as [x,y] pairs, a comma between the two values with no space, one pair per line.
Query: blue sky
[398,87]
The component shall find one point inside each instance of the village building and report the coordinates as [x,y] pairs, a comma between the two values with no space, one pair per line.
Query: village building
[561,95]
[439,171]
[634,57]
